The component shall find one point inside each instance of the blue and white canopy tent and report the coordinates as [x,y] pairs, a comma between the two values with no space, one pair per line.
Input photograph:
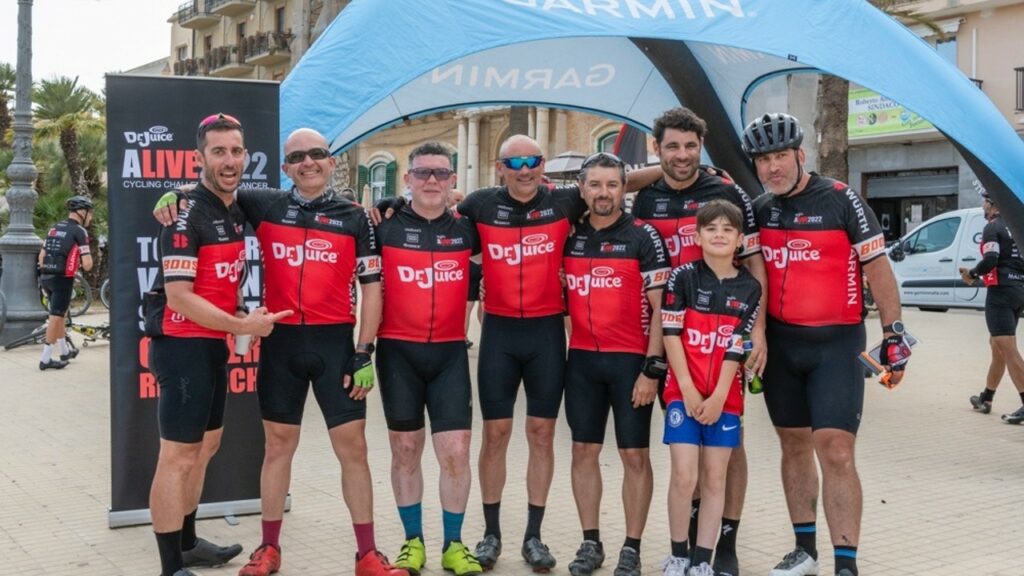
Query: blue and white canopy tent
[383,61]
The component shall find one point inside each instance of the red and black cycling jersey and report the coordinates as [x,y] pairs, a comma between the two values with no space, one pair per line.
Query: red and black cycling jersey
[426,276]
[312,253]
[608,273]
[522,247]
[711,316]
[1001,263]
[65,243]
[814,244]
[206,246]
[674,214]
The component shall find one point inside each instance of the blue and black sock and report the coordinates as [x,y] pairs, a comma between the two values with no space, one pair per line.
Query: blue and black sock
[807,537]
[846,557]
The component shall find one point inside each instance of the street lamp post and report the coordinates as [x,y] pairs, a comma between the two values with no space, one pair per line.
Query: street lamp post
[20,246]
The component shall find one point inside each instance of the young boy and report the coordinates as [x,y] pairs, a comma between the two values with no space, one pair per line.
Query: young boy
[709,307]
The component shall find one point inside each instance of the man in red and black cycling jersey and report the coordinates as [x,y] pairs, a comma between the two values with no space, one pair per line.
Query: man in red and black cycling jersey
[189,316]
[1002,271]
[615,269]
[670,205]
[315,245]
[818,236]
[523,226]
[66,243]
[422,360]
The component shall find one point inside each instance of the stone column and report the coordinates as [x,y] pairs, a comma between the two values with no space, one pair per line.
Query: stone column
[531,131]
[20,246]
[561,132]
[463,150]
[542,130]
[473,154]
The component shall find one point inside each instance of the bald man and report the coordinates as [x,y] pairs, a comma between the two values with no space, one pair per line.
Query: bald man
[315,245]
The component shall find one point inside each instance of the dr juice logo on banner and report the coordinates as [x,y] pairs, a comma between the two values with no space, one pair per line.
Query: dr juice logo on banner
[155,158]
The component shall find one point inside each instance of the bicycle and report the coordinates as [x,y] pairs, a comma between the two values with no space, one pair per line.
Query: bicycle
[89,333]
[81,296]
[105,293]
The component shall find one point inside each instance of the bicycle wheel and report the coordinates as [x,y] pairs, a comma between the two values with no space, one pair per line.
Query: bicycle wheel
[105,293]
[34,337]
[81,296]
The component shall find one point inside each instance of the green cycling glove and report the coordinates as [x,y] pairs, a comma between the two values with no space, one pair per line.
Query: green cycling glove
[361,370]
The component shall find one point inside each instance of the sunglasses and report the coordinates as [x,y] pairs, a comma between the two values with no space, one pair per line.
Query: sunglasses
[441,174]
[603,157]
[518,162]
[216,117]
[298,156]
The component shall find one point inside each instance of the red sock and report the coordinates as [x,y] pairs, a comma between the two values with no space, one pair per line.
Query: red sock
[364,538]
[272,532]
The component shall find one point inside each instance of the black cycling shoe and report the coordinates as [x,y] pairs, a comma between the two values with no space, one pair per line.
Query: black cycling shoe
[72,353]
[538,556]
[980,405]
[55,364]
[1015,417]
[209,555]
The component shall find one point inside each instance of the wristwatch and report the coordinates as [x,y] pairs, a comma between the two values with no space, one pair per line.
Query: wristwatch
[896,328]
[654,367]
[366,348]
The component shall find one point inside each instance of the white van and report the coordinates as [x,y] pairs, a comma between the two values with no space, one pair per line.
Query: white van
[926,261]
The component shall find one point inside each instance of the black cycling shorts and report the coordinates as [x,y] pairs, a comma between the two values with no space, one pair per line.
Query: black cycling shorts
[193,377]
[813,378]
[58,293]
[476,274]
[597,381]
[292,357]
[1003,307]
[531,350]
[414,375]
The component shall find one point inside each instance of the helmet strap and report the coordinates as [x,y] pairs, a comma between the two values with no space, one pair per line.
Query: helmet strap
[799,177]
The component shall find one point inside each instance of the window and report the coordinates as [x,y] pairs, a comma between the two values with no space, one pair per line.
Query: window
[241,35]
[379,181]
[207,44]
[606,143]
[933,237]
[947,49]
[279,20]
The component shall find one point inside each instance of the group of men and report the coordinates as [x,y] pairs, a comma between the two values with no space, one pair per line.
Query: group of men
[805,243]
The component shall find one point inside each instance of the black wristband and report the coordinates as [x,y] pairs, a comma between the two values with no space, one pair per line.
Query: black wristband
[241,309]
[654,367]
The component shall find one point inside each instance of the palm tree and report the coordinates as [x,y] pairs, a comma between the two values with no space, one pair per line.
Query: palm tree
[834,102]
[7,76]
[66,110]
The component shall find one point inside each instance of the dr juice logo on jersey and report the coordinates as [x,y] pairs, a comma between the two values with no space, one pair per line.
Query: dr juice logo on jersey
[708,341]
[532,245]
[796,250]
[442,271]
[315,250]
[599,277]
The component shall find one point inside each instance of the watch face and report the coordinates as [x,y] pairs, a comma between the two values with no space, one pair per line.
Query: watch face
[897,327]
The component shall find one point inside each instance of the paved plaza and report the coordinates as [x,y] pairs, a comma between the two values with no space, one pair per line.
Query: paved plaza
[943,486]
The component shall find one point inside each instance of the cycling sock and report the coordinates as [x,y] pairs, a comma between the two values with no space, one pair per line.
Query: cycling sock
[47,353]
[694,514]
[412,520]
[701,555]
[272,533]
[846,557]
[169,545]
[364,538]
[1022,397]
[727,539]
[680,549]
[452,522]
[491,525]
[535,516]
[63,343]
[806,537]
[987,395]
[592,535]
[188,531]
[633,543]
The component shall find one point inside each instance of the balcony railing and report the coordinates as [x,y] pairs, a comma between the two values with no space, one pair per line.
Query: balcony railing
[1020,88]
[191,67]
[191,16]
[230,7]
[268,48]
[227,61]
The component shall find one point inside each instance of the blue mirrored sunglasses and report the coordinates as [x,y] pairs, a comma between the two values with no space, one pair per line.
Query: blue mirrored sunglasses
[518,162]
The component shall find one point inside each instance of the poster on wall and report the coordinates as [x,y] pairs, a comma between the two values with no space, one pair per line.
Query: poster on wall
[151,141]
[872,114]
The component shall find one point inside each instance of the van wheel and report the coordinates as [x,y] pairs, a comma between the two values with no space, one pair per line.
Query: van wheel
[929,309]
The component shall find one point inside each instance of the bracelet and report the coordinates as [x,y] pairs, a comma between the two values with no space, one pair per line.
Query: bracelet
[654,367]
[241,309]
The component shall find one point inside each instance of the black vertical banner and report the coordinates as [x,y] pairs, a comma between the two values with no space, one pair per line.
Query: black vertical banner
[151,139]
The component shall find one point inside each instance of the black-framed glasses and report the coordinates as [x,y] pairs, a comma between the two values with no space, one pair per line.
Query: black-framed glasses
[518,162]
[298,156]
[603,156]
[441,174]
